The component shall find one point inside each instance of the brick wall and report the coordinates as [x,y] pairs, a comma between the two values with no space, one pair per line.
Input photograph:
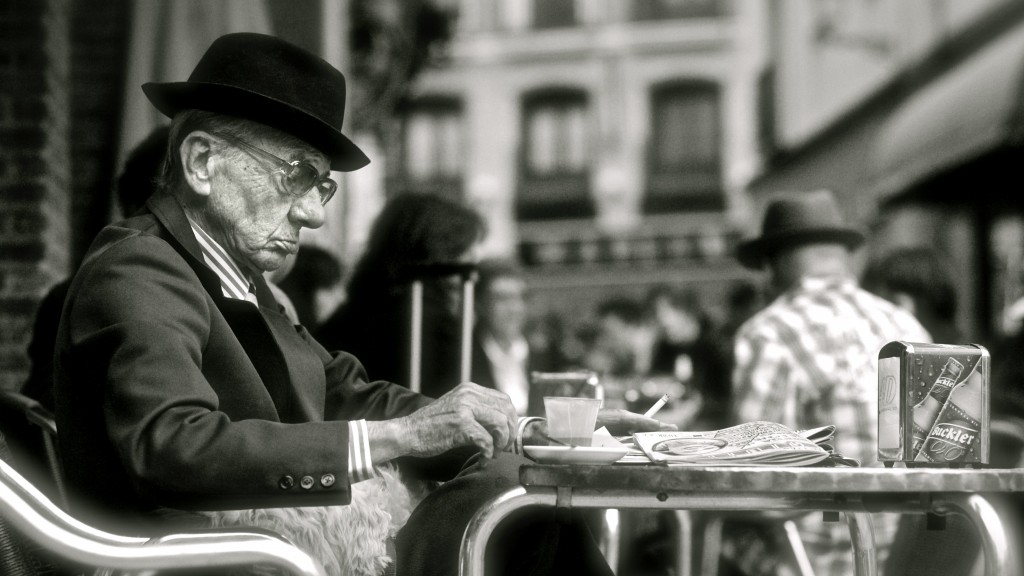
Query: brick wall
[98,57]
[35,168]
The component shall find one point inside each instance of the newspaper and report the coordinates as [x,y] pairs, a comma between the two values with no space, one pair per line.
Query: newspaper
[750,444]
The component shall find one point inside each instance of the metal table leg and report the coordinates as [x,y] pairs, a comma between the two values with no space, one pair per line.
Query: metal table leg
[991,529]
[484,522]
[687,538]
[474,540]
[862,534]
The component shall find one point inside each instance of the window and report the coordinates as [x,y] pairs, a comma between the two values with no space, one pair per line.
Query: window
[684,156]
[432,146]
[555,161]
[668,9]
[554,13]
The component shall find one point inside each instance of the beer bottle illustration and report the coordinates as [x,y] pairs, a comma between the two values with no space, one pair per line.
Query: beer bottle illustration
[928,408]
[955,435]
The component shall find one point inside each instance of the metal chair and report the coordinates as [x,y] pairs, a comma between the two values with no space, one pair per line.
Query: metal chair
[416,275]
[28,518]
[32,438]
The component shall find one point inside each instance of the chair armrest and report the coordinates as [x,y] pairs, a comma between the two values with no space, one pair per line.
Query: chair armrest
[39,520]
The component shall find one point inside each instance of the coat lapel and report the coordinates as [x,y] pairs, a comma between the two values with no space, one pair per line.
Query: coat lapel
[290,371]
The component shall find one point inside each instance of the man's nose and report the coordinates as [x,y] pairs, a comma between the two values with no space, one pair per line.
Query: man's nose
[307,211]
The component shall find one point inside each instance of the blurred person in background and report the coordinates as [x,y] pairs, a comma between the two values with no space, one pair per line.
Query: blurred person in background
[623,346]
[412,230]
[918,279]
[546,335]
[810,358]
[578,341]
[686,351]
[314,284]
[743,301]
[502,358]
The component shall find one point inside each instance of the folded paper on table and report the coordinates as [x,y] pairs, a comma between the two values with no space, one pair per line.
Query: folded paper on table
[749,444]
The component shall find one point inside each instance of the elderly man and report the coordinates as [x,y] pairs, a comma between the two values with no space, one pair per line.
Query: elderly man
[180,384]
[811,357]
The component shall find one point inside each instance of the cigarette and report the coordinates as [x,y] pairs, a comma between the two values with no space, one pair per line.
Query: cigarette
[657,406]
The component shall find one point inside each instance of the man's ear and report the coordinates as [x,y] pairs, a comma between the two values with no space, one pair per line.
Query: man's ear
[196,160]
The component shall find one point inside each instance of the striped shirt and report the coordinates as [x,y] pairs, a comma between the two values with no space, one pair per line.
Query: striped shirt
[236,285]
[811,358]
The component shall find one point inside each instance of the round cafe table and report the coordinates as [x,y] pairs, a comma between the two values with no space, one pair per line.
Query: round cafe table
[856,491]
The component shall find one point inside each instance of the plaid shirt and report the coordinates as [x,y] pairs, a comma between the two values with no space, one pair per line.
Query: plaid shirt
[810,359]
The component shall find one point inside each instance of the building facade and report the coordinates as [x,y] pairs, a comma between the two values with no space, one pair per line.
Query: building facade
[911,113]
[609,144]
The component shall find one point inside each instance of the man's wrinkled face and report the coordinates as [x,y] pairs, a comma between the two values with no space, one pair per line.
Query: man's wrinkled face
[256,221]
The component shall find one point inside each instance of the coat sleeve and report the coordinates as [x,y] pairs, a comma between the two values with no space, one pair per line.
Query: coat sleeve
[351,396]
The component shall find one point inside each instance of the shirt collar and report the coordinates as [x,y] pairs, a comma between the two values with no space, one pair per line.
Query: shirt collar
[818,283]
[232,281]
[518,351]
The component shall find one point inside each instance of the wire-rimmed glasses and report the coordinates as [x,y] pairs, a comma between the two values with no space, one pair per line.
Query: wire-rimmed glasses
[296,178]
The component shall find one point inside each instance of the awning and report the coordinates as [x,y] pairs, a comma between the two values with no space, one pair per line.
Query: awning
[972,109]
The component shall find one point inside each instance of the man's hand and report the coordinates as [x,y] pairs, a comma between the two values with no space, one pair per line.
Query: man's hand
[467,415]
[621,422]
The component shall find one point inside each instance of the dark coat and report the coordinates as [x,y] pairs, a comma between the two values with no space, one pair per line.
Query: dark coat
[169,394]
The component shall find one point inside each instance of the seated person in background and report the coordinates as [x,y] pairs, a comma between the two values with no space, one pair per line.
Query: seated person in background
[621,349]
[810,358]
[504,354]
[412,230]
[501,354]
[180,385]
[547,335]
[686,351]
[623,344]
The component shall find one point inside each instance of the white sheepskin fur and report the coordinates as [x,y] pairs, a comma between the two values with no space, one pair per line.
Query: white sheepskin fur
[347,540]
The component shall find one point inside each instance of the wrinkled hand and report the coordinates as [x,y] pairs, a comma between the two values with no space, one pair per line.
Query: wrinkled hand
[469,414]
[621,422]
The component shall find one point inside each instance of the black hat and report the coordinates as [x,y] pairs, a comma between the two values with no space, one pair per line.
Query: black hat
[811,217]
[267,80]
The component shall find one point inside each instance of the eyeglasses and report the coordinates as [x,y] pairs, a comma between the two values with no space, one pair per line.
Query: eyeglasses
[296,178]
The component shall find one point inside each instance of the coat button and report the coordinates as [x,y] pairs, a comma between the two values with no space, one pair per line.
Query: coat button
[306,482]
[286,482]
[327,480]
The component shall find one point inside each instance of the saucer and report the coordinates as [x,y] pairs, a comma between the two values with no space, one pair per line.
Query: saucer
[575,454]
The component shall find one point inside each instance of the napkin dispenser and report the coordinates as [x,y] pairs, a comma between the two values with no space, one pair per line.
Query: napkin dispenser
[933,404]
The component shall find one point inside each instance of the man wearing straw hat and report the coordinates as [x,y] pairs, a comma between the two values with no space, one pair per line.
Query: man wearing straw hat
[181,386]
[811,357]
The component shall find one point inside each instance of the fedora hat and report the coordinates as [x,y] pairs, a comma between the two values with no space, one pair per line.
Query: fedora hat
[811,217]
[267,80]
